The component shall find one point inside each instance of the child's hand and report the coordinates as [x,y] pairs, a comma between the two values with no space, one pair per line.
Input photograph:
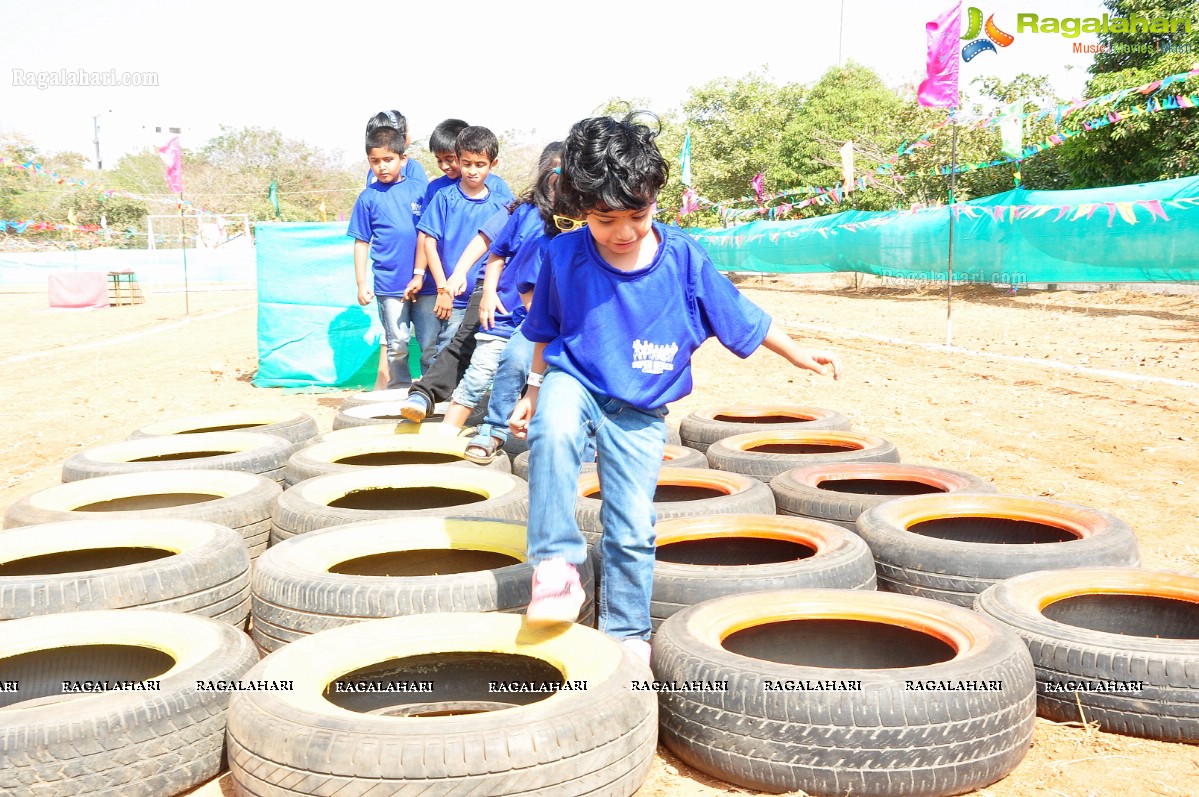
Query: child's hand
[444,306]
[456,284]
[365,295]
[518,424]
[488,306]
[413,287]
[817,359]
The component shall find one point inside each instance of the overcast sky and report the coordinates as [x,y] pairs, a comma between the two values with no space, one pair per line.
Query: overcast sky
[318,71]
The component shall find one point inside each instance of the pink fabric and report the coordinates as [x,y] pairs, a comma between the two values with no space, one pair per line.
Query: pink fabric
[940,88]
[757,183]
[78,289]
[172,155]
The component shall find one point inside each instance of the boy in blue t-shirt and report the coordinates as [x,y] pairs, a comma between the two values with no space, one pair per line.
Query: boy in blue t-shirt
[384,227]
[453,217]
[617,312]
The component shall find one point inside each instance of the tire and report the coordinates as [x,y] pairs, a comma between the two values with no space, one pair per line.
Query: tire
[252,452]
[302,586]
[673,456]
[765,455]
[700,558]
[850,692]
[198,568]
[1050,535]
[478,493]
[704,427]
[839,493]
[726,494]
[599,740]
[237,500]
[295,426]
[343,456]
[115,743]
[1109,628]
[374,430]
[378,412]
[372,397]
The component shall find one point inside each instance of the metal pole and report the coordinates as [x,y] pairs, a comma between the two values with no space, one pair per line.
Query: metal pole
[840,33]
[953,169]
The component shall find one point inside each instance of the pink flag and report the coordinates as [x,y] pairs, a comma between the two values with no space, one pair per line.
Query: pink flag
[940,88]
[757,183]
[690,201]
[172,155]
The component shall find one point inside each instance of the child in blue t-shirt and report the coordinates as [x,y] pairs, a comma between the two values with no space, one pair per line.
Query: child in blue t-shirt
[501,311]
[453,217]
[618,310]
[384,227]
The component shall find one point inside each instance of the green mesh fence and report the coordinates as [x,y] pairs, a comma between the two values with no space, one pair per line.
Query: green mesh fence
[1133,233]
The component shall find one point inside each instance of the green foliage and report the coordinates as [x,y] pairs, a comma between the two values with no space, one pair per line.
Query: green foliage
[1143,148]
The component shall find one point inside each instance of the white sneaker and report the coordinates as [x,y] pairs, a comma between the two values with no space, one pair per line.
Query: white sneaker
[557,593]
[639,648]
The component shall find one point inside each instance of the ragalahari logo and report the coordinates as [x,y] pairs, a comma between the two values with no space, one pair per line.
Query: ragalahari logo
[994,35]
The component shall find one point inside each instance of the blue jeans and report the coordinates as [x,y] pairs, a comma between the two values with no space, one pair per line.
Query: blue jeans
[449,327]
[395,315]
[428,329]
[508,382]
[630,443]
[483,361]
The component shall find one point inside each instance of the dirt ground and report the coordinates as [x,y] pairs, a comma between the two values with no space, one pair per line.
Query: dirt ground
[1117,432]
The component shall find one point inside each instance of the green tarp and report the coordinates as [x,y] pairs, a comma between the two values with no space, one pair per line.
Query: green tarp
[1133,233]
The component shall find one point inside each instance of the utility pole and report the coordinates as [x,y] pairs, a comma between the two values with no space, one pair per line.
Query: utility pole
[96,132]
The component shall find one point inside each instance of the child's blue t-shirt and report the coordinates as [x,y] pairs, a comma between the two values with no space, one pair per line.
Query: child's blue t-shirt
[454,219]
[412,171]
[518,243]
[384,217]
[630,334]
[493,182]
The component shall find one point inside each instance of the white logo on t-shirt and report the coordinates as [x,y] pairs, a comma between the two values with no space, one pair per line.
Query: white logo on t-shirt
[653,358]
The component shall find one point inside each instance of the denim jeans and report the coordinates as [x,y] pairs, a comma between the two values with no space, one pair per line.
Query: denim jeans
[437,382]
[509,382]
[428,329]
[483,362]
[395,315]
[630,443]
[449,327]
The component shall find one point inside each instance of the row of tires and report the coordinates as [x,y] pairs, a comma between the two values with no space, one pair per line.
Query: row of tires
[828,691]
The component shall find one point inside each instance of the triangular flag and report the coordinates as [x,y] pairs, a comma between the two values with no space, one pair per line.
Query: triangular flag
[1011,130]
[273,196]
[324,215]
[940,88]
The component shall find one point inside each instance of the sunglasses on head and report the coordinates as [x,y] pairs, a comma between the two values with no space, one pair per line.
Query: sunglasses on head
[566,224]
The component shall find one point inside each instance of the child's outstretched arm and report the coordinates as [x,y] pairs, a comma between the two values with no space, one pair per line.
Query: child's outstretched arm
[456,283]
[781,344]
[522,413]
[362,272]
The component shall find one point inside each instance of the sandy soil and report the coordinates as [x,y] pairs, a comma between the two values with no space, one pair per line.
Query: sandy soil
[1124,442]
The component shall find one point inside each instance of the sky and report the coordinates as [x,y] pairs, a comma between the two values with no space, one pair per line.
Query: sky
[316,72]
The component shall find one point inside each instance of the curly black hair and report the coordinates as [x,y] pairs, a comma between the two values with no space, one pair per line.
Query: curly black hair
[610,164]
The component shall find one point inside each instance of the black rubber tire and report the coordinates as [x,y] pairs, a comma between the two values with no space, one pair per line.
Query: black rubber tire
[237,500]
[1132,628]
[737,495]
[892,736]
[295,426]
[306,506]
[98,564]
[296,592]
[749,454]
[382,450]
[115,743]
[704,427]
[832,558]
[594,741]
[673,456]
[252,452]
[956,571]
[372,397]
[802,492]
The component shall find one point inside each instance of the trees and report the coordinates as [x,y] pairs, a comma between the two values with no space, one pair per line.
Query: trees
[1142,148]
